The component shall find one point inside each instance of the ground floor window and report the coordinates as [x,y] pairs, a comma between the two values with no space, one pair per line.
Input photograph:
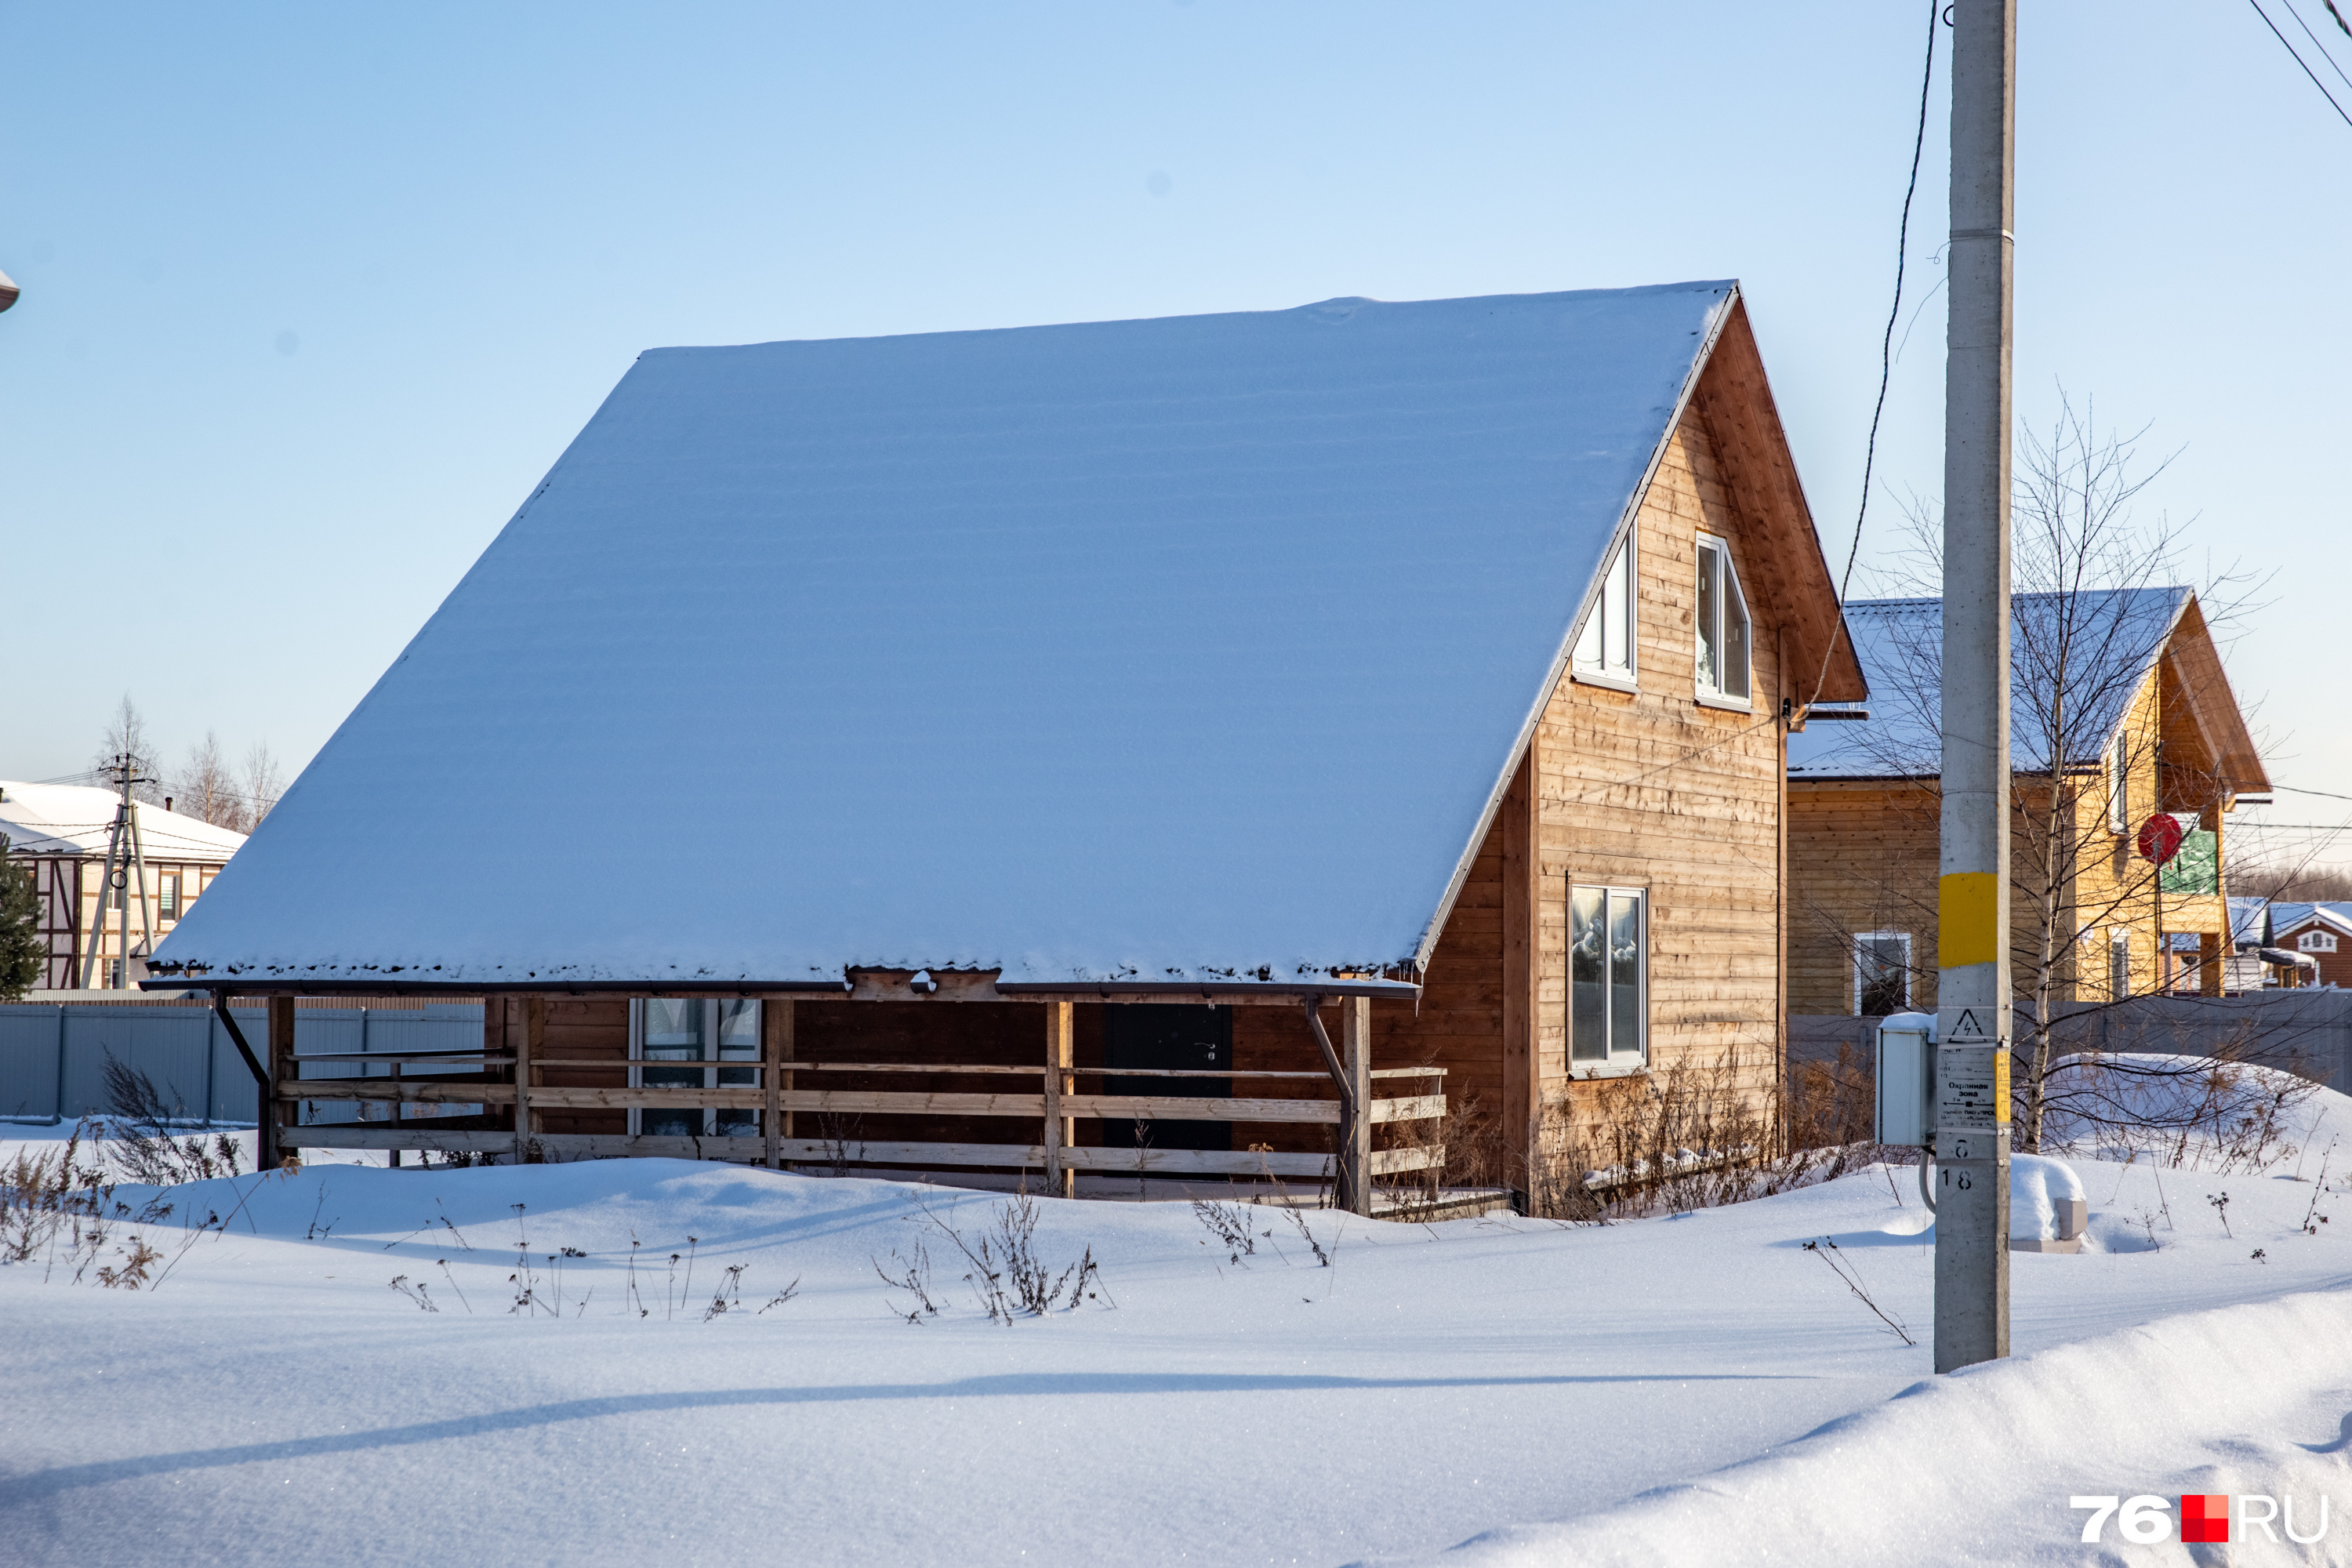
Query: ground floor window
[1608,964]
[679,1043]
[1881,972]
[2119,965]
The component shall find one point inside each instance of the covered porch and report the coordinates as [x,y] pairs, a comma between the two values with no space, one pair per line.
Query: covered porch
[1120,1090]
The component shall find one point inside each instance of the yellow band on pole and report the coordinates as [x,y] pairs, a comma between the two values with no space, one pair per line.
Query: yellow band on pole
[1968,918]
[2001,1088]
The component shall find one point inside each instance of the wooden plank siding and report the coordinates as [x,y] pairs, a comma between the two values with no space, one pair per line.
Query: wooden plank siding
[1652,789]
[1863,858]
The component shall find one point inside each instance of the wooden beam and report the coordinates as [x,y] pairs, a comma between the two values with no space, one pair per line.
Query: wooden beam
[281,1112]
[1061,1178]
[816,1151]
[1356,1128]
[528,1046]
[776,1039]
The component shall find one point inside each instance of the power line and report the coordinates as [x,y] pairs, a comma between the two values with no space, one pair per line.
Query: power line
[2289,48]
[2324,794]
[2315,44]
[1887,342]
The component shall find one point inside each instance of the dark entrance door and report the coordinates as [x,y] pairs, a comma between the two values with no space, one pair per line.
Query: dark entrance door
[1167,1038]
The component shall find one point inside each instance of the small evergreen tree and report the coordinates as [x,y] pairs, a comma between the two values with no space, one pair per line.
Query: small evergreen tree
[21,948]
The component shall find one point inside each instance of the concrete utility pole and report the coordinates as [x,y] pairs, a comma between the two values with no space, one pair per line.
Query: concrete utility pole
[1972,999]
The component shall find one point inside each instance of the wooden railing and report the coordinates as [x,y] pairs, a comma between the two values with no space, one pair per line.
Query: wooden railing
[450,1078]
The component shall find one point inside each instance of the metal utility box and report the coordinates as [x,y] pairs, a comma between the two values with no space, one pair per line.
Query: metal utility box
[1906,1078]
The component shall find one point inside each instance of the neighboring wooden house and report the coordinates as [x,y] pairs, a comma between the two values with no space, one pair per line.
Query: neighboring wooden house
[58,833]
[1199,746]
[2146,725]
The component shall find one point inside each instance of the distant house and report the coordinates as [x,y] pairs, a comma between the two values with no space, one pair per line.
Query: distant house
[2148,726]
[2322,932]
[1071,720]
[58,832]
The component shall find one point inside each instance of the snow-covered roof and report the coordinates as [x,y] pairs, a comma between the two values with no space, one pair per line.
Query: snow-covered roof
[1193,647]
[2286,917]
[2114,640]
[74,819]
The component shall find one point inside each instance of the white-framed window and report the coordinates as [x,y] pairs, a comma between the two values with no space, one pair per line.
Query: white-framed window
[1604,647]
[677,1042]
[2119,964]
[2316,942]
[1607,977]
[1881,972]
[167,896]
[1723,629]
[2119,785]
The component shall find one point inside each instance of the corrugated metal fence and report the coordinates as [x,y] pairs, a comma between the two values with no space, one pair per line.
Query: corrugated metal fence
[53,1055]
[2307,1031]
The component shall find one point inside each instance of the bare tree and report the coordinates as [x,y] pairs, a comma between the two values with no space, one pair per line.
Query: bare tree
[261,784]
[2092,613]
[126,735]
[204,788]
[2300,879]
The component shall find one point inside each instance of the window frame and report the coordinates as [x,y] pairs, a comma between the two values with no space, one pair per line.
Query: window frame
[719,1069]
[167,897]
[1614,1062]
[1729,594]
[1596,622]
[2118,955]
[2316,942]
[1860,941]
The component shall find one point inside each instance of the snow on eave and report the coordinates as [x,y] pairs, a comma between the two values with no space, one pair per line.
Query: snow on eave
[1628,517]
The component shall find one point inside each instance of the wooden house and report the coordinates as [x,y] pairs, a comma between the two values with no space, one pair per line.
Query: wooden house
[2120,713]
[1232,745]
[97,935]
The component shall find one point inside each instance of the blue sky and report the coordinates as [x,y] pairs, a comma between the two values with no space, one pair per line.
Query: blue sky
[314,295]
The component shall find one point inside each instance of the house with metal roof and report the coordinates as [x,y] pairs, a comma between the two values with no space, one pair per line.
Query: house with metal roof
[2129,752]
[1127,748]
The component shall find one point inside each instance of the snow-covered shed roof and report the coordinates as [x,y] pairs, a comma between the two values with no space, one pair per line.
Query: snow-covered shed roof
[2112,639]
[1193,647]
[46,819]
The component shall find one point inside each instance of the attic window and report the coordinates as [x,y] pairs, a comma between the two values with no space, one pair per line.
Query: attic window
[1723,625]
[2119,785]
[2316,942]
[1605,649]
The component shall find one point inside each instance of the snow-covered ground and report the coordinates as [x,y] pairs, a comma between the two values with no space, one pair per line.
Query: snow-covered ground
[1696,1388]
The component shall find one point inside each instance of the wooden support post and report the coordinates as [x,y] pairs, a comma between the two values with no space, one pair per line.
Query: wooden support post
[1356,1131]
[526,1043]
[776,1036]
[277,1111]
[1060,1179]
[2209,962]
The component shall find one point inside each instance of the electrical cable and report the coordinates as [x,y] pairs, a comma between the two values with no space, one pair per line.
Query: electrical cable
[2323,794]
[1887,342]
[2289,48]
[2315,44]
